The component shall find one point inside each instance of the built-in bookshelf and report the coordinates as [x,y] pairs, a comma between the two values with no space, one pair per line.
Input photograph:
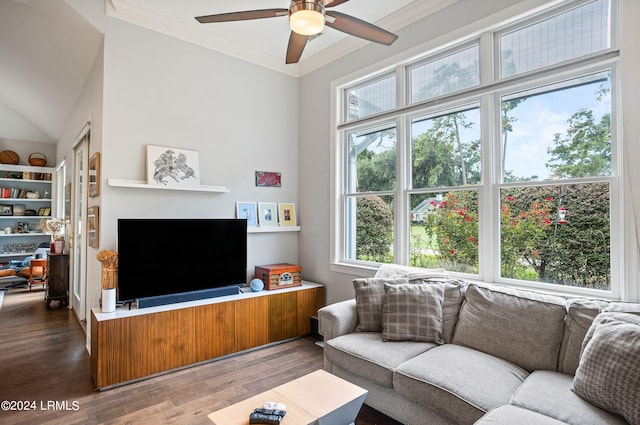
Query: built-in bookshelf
[25,199]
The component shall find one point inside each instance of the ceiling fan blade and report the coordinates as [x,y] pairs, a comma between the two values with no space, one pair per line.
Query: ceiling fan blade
[332,3]
[242,16]
[359,28]
[297,42]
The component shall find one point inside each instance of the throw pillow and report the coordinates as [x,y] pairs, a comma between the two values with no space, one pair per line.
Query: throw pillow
[608,375]
[396,270]
[369,300]
[413,313]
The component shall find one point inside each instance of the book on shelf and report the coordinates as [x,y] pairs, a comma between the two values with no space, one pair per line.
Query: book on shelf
[31,175]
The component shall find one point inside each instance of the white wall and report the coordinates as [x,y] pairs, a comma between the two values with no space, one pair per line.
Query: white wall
[25,148]
[87,109]
[239,117]
[315,129]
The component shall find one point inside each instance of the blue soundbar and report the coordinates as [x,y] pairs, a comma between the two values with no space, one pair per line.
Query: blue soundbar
[187,296]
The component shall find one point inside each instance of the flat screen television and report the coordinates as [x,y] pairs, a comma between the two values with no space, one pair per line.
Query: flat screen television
[170,256]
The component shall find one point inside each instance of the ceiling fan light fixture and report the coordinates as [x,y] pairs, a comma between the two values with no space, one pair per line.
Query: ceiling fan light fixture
[306,17]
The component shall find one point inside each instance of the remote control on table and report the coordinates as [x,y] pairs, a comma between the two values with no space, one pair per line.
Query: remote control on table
[270,412]
[257,418]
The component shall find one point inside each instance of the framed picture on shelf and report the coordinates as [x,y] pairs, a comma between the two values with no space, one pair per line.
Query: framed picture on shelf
[93,225]
[247,210]
[94,175]
[172,167]
[267,214]
[6,209]
[287,214]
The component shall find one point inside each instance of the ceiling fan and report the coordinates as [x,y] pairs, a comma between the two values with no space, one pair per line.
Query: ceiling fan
[307,18]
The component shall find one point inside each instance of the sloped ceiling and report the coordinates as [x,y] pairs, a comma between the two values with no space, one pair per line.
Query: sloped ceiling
[47,51]
[48,46]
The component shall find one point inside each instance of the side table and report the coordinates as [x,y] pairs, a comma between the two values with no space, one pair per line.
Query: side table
[58,285]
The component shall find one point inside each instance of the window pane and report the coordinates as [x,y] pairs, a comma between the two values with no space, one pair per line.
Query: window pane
[558,131]
[557,234]
[372,98]
[370,228]
[444,230]
[569,35]
[445,75]
[372,161]
[445,151]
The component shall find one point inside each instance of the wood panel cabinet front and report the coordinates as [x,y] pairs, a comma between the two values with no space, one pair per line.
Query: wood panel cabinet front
[215,330]
[309,302]
[132,347]
[252,323]
[283,316]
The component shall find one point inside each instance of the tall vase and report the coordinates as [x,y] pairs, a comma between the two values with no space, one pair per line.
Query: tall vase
[59,247]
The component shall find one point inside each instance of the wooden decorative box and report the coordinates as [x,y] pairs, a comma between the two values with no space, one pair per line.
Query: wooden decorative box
[278,276]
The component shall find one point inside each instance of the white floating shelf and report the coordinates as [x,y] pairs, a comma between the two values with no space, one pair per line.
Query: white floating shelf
[273,229]
[140,184]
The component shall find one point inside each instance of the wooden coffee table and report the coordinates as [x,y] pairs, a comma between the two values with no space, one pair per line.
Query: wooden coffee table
[317,398]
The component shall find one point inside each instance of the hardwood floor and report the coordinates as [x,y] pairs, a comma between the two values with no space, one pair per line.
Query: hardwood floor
[43,360]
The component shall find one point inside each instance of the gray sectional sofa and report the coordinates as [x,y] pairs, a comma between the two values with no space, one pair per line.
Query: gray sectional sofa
[435,350]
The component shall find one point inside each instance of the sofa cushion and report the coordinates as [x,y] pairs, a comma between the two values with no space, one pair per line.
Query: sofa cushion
[549,393]
[523,327]
[369,301]
[511,415]
[458,382]
[366,354]
[580,315]
[412,313]
[609,372]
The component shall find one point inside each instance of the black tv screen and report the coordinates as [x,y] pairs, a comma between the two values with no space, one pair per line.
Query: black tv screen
[169,256]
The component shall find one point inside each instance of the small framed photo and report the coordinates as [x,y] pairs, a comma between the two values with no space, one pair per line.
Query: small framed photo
[267,214]
[94,175]
[93,225]
[287,214]
[247,210]
[6,209]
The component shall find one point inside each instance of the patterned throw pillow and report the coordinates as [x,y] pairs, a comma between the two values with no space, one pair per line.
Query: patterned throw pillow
[608,375]
[369,300]
[413,313]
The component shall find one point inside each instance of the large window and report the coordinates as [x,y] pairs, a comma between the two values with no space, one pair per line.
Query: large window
[510,177]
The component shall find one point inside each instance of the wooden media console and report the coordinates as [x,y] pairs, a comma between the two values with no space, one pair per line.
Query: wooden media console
[129,345]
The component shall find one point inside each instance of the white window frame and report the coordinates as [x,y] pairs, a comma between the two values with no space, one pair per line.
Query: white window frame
[488,95]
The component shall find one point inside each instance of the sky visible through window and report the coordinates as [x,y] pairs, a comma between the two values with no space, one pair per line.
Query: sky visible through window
[536,121]
[539,118]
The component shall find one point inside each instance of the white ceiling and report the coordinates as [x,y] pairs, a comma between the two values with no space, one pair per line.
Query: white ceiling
[48,46]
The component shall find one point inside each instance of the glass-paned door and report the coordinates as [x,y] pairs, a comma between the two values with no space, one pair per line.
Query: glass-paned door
[78,252]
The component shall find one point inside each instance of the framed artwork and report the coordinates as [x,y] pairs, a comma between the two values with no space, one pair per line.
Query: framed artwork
[94,175]
[172,167]
[67,202]
[287,214]
[267,214]
[6,209]
[247,210]
[268,179]
[93,225]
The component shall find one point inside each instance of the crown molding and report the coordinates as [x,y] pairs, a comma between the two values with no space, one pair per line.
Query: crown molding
[125,11]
